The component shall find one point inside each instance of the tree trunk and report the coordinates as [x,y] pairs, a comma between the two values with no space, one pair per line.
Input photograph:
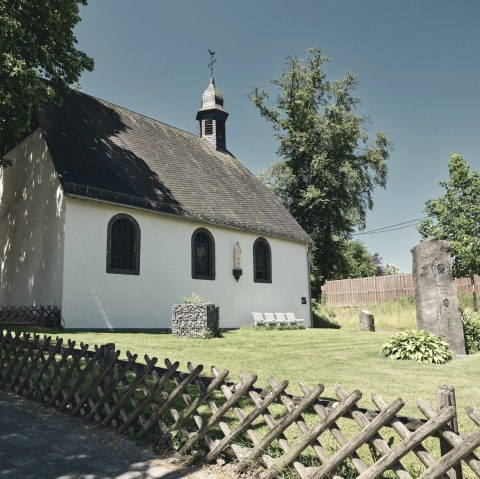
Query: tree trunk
[474,294]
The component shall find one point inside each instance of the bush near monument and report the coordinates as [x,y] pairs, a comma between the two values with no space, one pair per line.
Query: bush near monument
[419,346]
[471,328]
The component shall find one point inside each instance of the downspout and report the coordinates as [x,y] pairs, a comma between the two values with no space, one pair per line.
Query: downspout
[309,287]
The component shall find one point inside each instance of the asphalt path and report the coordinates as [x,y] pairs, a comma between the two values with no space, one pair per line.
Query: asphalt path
[42,443]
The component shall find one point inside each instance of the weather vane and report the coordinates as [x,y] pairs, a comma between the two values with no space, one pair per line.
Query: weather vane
[212,61]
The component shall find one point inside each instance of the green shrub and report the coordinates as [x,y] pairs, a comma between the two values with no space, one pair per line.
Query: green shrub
[471,328]
[279,327]
[419,346]
[195,298]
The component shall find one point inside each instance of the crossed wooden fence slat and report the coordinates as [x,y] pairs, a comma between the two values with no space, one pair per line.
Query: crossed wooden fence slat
[262,431]
[30,315]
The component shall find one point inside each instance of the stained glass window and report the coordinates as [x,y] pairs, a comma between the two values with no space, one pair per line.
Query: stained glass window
[262,261]
[203,255]
[123,245]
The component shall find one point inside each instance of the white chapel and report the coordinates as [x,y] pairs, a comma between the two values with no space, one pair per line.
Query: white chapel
[113,217]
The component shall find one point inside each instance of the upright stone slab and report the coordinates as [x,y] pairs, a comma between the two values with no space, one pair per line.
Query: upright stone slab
[436,294]
[367,321]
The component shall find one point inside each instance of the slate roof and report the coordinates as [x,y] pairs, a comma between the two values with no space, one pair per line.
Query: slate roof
[107,152]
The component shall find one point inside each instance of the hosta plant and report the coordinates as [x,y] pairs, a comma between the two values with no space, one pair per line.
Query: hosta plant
[419,346]
[471,328]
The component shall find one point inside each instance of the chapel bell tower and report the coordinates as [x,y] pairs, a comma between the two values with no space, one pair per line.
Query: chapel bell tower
[212,116]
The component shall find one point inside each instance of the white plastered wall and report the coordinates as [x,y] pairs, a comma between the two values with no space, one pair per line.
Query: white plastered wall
[32,217]
[93,298]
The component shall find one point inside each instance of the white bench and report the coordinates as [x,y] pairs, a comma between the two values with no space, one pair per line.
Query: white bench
[258,319]
[292,319]
[271,319]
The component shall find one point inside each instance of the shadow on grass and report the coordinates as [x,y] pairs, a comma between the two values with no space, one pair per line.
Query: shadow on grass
[323,320]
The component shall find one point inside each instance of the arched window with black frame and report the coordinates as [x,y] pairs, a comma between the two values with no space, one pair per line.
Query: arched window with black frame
[262,261]
[203,254]
[123,245]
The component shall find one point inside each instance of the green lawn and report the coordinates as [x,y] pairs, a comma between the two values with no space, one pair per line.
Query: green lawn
[329,356]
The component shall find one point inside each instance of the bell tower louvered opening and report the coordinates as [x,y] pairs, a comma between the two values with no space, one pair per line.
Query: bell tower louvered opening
[212,117]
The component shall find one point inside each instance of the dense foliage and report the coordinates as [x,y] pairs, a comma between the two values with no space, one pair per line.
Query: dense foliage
[456,217]
[471,329]
[390,269]
[354,261]
[419,346]
[38,60]
[329,167]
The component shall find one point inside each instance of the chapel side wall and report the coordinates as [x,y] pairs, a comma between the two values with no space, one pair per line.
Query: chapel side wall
[93,298]
[32,216]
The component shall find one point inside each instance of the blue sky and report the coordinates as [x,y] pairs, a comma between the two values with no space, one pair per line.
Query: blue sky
[418,62]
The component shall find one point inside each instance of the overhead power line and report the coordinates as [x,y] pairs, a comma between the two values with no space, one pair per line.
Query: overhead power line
[395,227]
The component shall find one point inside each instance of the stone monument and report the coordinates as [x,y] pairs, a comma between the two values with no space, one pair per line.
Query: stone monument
[436,294]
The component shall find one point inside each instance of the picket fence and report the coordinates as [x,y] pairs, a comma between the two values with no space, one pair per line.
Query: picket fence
[377,289]
[264,433]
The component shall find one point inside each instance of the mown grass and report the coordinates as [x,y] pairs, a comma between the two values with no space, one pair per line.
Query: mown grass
[389,316]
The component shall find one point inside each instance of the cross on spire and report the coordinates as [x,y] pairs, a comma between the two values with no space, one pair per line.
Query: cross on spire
[212,61]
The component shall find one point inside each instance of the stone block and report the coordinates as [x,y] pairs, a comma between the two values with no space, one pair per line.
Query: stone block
[195,320]
[367,321]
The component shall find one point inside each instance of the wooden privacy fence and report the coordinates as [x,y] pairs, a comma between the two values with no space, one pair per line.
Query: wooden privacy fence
[376,289]
[264,432]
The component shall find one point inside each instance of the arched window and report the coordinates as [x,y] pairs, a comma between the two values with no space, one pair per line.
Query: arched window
[203,254]
[262,261]
[123,245]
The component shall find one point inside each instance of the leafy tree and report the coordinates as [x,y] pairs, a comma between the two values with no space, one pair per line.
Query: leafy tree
[378,261]
[38,61]
[355,261]
[329,167]
[456,217]
[390,269]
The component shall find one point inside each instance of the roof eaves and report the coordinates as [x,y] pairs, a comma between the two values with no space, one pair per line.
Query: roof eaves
[165,208]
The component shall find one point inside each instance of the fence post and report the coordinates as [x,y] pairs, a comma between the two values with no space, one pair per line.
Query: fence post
[108,352]
[446,398]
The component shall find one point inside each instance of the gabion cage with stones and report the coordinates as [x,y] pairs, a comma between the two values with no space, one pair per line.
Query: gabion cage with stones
[195,320]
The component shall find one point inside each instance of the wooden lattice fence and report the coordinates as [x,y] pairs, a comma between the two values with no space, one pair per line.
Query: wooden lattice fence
[265,432]
[31,315]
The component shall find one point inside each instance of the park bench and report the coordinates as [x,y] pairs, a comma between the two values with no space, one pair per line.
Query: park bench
[270,319]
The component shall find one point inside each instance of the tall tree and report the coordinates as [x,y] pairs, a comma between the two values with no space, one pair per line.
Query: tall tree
[355,261]
[456,217]
[329,167]
[38,61]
